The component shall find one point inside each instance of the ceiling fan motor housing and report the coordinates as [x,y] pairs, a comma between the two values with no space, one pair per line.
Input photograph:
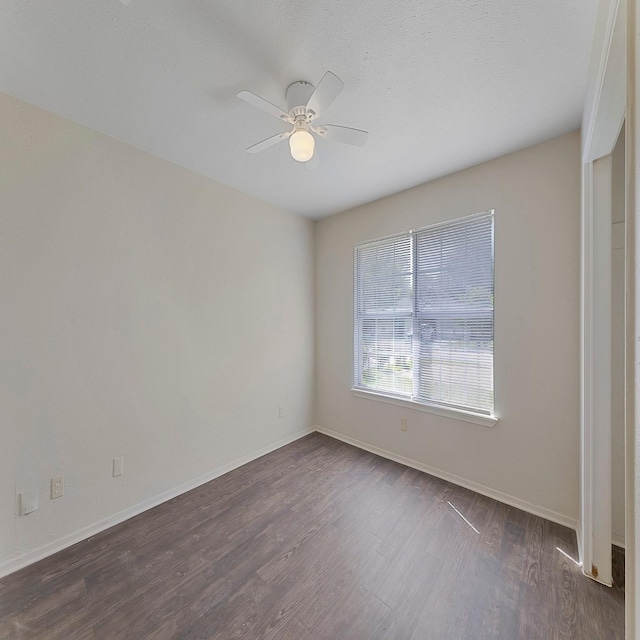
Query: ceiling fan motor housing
[298,95]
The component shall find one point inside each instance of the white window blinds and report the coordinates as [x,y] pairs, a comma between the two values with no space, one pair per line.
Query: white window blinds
[424,315]
[384,310]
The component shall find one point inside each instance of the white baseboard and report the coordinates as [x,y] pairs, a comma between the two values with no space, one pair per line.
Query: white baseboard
[579,541]
[536,510]
[14,564]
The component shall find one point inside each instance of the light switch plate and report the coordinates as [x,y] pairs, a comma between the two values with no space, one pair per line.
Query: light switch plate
[28,502]
[118,466]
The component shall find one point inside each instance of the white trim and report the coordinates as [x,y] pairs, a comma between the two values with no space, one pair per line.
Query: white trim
[600,473]
[617,236]
[603,116]
[579,538]
[454,414]
[632,355]
[14,564]
[512,501]
[586,324]
[586,369]
[618,540]
[605,105]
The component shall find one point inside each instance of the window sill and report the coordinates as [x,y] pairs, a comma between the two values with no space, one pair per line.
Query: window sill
[455,414]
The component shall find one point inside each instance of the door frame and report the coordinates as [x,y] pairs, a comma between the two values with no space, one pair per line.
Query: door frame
[613,97]
[603,116]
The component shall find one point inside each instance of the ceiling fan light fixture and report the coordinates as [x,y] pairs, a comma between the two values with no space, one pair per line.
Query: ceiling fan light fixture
[302,145]
[306,103]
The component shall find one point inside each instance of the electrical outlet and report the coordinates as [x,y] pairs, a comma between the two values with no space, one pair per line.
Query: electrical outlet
[118,466]
[57,487]
[28,502]
[403,424]
[280,412]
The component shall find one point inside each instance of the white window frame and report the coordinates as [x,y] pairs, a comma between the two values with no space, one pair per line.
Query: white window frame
[480,418]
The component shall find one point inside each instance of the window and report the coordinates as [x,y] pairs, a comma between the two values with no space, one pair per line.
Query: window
[424,315]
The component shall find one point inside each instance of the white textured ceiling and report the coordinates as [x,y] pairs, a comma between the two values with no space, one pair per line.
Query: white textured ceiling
[440,84]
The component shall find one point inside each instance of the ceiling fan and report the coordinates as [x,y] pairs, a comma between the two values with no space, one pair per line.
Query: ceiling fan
[305,103]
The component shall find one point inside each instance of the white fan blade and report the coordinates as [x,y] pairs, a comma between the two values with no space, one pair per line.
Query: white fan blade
[269,142]
[263,104]
[343,134]
[325,93]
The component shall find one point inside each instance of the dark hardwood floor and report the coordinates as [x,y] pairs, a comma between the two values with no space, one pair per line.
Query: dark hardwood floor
[318,540]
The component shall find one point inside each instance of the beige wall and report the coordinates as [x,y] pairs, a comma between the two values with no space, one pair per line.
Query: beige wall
[146,312]
[155,314]
[532,455]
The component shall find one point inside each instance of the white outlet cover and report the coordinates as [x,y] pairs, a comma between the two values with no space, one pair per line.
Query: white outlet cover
[57,487]
[28,502]
[118,466]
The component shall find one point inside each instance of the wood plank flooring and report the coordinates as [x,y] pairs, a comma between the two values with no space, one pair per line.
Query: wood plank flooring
[318,540]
